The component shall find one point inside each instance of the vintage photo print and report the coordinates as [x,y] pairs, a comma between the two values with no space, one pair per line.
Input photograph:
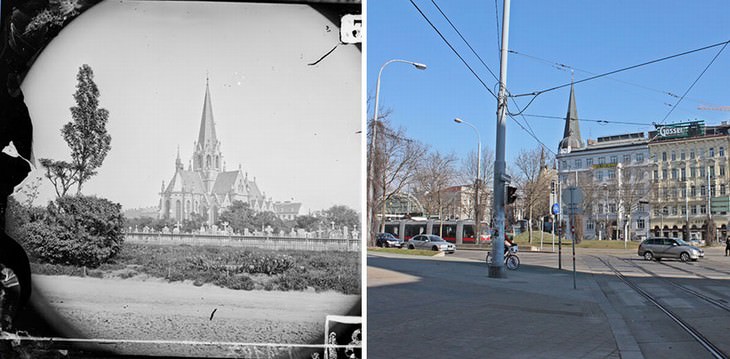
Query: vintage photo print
[183,179]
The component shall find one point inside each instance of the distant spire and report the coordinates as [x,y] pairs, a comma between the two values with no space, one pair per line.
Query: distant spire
[178,162]
[207,125]
[571,133]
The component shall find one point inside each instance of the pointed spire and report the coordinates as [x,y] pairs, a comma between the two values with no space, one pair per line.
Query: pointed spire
[178,162]
[571,133]
[207,135]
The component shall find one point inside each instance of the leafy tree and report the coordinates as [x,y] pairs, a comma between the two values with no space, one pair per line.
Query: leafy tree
[342,216]
[268,218]
[86,135]
[308,222]
[194,223]
[76,230]
[239,216]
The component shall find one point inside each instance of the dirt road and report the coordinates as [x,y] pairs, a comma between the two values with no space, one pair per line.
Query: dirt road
[153,309]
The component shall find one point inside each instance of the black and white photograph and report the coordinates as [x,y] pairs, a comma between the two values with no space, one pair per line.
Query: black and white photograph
[186,179]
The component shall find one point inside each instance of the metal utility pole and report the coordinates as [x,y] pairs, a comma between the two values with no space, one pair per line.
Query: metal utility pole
[496,268]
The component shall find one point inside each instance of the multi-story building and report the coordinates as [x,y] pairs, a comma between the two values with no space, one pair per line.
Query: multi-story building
[612,179]
[689,179]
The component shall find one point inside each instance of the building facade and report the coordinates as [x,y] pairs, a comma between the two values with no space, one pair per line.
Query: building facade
[206,188]
[690,180]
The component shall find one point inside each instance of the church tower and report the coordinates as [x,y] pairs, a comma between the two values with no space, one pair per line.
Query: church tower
[207,158]
[571,133]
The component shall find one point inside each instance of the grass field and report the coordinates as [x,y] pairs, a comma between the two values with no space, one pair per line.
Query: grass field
[228,267]
[522,239]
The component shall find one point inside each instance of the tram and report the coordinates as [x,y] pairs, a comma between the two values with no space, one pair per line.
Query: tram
[459,231]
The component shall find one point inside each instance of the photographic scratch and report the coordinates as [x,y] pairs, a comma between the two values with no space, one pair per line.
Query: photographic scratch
[323,56]
[212,313]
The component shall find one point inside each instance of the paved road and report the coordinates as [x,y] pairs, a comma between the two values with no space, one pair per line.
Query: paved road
[447,307]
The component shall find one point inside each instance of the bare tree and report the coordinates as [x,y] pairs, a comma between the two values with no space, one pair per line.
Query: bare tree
[436,175]
[468,174]
[533,183]
[395,159]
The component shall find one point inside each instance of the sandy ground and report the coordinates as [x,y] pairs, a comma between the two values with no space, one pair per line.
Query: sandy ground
[152,309]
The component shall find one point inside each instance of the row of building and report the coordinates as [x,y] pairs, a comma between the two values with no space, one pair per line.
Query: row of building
[671,182]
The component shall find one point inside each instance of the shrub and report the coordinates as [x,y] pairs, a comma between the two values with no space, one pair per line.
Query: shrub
[77,230]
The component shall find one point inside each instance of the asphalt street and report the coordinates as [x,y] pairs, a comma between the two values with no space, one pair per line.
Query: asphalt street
[447,307]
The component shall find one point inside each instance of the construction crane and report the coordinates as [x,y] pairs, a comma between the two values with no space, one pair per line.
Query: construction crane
[716,108]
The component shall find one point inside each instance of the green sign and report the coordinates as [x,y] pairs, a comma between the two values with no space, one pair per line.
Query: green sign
[681,130]
[720,204]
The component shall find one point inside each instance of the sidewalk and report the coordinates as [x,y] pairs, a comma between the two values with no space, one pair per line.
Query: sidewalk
[532,313]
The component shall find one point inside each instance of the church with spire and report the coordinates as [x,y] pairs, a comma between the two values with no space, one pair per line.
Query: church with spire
[206,187]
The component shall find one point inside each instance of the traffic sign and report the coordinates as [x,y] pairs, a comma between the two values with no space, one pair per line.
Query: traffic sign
[556,208]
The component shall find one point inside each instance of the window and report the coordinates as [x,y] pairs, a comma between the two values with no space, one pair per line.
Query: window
[722,151]
[702,172]
[674,211]
[578,163]
[599,175]
[614,159]
[703,209]
[723,191]
[692,154]
[693,191]
[611,174]
[684,210]
[665,211]
[674,173]
[711,190]
[693,210]
[702,190]
[683,172]
[692,172]
[612,208]
[564,164]
[664,174]
[627,158]
[664,156]
[589,162]
[639,157]
[681,155]
[590,225]
[640,223]
[712,151]
[722,171]
[712,171]
[674,156]
[684,192]
[601,160]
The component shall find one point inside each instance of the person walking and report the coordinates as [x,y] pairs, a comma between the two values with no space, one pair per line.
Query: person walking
[727,246]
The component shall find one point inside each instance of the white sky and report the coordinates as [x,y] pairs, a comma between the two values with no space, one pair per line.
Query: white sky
[290,125]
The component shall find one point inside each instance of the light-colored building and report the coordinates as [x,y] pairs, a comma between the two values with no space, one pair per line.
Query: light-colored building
[612,175]
[689,179]
[206,188]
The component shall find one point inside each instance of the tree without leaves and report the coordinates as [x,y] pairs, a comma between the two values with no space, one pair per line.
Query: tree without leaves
[533,183]
[468,174]
[395,160]
[86,135]
[435,176]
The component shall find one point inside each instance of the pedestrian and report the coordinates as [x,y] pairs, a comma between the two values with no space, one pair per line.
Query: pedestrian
[727,246]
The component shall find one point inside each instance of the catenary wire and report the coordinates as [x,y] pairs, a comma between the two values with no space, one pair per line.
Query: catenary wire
[453,49]
[535,93]
[592,120]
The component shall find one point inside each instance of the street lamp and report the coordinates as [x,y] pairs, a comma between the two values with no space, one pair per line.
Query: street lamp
[371,176]
[477,221]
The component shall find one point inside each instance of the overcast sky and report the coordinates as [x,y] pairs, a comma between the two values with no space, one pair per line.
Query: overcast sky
[292,126]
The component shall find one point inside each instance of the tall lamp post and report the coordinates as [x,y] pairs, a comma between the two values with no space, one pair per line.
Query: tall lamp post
[371,170]
[477,182]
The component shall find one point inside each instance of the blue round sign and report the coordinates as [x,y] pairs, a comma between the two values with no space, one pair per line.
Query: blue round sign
[556,208]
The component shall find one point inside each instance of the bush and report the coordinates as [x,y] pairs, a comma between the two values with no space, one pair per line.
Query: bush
[77,230]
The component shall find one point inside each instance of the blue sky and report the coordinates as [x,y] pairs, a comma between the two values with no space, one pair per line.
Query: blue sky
[589,36]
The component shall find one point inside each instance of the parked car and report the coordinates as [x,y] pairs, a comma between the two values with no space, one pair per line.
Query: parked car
[432,242]
[661,247]
[388,240]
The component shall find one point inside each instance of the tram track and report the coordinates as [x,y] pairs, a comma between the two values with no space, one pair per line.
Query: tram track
[686,327]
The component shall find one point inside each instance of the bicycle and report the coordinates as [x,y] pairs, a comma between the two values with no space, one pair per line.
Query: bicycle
[511,260]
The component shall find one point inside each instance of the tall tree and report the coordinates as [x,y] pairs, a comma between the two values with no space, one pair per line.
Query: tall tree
[533,183]
[85,134]
[468,173]
[436,176]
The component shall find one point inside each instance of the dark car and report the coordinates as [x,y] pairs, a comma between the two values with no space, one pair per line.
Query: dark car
[388,240]
[662,247]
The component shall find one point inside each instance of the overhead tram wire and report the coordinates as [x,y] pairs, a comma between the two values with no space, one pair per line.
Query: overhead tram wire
[592,120]
[453,49]
[499,38]
[537,93]
[562,66]
[695,82]
[531,131]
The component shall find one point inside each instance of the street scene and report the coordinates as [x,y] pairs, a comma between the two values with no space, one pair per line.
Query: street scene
[620,306]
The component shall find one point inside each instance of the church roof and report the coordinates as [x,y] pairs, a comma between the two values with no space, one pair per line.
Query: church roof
[225,182]
[186,181]
[207,125]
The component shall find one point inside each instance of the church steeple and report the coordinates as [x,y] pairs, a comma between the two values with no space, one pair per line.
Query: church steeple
[571,133]
[207,135]
[207,157]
